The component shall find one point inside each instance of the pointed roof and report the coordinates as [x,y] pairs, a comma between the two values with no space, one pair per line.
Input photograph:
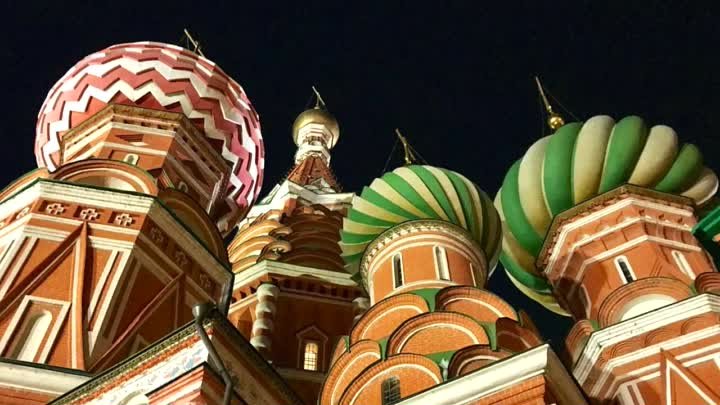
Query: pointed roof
[681,385]
[314,172]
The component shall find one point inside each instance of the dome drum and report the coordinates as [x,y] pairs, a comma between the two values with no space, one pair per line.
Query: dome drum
[561,172]
[422,254]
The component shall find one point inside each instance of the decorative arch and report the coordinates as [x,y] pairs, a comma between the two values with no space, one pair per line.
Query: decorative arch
[192,215]
[416,373]
[472,358]
[513,337]
[384,317]
[482,305]
[436,332]
[113,174]
[347,368]
[638,294]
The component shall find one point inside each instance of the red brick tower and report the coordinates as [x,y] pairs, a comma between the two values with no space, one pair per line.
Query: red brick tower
[146,148]
[292,297]
[615,204]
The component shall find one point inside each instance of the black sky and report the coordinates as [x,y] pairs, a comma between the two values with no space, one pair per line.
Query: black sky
[455,76]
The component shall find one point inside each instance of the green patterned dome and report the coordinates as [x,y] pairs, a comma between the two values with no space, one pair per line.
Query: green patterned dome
[421,192]
[578,162]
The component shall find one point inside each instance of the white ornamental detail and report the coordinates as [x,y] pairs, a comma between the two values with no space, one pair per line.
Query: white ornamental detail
[124,219]
[157,236]
[181,258]
[23,212]
[89,214]
[55,209]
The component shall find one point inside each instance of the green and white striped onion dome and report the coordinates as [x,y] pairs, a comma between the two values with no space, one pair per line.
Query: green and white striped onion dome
[421,192]
[578,162]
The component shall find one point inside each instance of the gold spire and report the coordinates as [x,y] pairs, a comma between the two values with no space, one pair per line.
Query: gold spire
[555,120]
[319,102]
[197,48]
[409,155]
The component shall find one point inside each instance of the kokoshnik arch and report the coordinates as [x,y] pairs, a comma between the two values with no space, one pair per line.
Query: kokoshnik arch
[149,155]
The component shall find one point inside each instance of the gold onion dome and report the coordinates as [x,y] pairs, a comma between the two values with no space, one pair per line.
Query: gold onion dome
[320,116]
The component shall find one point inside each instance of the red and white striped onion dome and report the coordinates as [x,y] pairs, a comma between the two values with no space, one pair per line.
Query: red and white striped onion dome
[165,77]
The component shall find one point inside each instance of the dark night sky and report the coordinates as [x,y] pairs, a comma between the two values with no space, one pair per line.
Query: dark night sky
[455,76]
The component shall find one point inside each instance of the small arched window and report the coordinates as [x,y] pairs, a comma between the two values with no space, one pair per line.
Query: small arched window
[391,391]
[182,186]
[131,158]
[441,263]
[623,267]
[310,359]
[398,270]
[32,336]
[683,264]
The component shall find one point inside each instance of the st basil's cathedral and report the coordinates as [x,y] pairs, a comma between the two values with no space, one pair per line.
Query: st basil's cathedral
[140,264]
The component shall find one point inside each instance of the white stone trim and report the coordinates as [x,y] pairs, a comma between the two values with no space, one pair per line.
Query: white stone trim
[623,247]
[108,299]
[18,263]
[36,379]
[683,264]
[611,335]
[479,302]
[502,375]
[109,265]
[290,270]
[57,323]
[382,315]
[566,229]
[346,369]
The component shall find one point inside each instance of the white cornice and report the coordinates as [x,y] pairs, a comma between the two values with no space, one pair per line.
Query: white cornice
[37,379]
[79,194]
[503,375]
[288,190]
[611,335]
[291,270]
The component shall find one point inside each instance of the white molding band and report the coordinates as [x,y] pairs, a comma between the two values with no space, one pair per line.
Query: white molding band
[291,270]
[502,375]
[611,335]
[36,379]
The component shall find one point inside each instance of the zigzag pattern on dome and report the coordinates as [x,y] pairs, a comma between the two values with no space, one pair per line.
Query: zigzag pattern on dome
[159,76]
[420,192]
[578,162]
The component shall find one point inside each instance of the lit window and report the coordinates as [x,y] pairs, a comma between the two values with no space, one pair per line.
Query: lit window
[391,391]
[441,263]
[310,361]
[626,273]
[131,158]
[398,270]
[682,263]
[32,336]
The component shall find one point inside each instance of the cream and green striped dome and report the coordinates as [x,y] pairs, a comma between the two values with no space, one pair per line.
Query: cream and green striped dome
[421,192]
[578,162]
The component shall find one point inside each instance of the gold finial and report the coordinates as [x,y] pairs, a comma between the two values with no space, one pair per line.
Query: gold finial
[409,155]
[319,102]
[197,48]
[555,120]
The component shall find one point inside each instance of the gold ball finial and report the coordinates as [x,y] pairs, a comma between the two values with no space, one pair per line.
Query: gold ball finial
[555,121]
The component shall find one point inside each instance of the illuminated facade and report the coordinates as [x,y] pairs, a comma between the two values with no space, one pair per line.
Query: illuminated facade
[117,287]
